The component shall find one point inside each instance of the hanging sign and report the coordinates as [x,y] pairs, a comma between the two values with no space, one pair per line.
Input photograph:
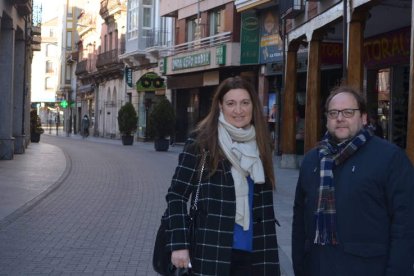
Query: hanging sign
[128,76]
[150,82]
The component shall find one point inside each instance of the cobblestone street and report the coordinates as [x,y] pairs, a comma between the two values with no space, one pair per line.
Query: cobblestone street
[101,217]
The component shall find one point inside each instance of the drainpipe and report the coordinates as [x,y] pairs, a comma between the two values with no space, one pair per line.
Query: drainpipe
[345,43]
[25,88]
[282,87]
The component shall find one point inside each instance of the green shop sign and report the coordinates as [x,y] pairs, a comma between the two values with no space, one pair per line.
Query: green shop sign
[128,76]
[196,60]
[249,52]
[150,82]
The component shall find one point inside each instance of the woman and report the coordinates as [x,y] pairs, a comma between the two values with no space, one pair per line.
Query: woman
[236,232]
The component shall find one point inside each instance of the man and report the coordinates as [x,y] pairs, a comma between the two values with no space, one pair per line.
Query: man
[374,125]
[85,126]
[354,203]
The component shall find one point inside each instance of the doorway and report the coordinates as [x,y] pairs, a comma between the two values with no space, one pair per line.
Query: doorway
[388,101]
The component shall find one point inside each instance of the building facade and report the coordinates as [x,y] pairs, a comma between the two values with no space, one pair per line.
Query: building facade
[69,11]
[110,69]
[45,73]
[89,32]
[148,39]
[348,42]
[207,50]
[19,37]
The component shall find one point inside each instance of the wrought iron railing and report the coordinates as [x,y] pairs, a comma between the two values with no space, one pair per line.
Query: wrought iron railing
[81,67]
[108,58]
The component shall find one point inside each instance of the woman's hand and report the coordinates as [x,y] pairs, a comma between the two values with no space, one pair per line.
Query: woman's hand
[180,258]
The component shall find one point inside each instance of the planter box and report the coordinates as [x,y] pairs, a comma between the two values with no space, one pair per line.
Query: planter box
[161,144]
[127,140]
[34,137]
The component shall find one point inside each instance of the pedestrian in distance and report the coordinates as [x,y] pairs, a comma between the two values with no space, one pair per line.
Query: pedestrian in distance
[354,210]
[85,126]
[374,125]
[236,230]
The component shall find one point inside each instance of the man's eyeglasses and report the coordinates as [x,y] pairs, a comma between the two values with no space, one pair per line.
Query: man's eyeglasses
[347,113]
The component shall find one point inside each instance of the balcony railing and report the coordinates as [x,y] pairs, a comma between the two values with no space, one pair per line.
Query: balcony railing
[291,8]
[24,7]
[156,38]
[86,22]
[206,42]
[111,6]
[108,58]
[81,67]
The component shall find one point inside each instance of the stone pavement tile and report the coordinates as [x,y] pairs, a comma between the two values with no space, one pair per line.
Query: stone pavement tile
[26,178]
[104,202]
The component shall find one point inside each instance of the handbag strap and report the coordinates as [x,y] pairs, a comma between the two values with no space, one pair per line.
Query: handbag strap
[203,160]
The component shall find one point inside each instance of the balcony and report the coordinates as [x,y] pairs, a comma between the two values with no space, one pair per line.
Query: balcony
[110,7]
[86,66]
[36,30]
[85,23]
[81,67]
[291,8]
[36,47]
[36,39]
[24,7]
[108,59]
[207,42]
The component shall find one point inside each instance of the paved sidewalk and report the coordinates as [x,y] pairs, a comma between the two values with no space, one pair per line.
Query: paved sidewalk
[25,181]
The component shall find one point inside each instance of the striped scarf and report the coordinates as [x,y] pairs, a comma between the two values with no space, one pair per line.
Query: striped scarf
[332,155]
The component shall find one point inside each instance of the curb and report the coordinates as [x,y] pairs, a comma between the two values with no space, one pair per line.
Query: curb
[35,201]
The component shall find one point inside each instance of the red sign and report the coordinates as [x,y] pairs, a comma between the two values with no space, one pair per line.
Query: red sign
[388,48]
[331,53]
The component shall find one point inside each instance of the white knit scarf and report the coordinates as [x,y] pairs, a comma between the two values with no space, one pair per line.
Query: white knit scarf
[239,146]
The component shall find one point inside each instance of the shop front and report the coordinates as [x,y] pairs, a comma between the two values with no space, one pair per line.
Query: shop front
[387,59]
[148,87]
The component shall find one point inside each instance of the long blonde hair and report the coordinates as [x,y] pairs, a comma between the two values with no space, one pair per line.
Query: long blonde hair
[207,129]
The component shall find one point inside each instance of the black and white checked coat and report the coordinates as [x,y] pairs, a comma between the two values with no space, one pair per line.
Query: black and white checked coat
[217,207]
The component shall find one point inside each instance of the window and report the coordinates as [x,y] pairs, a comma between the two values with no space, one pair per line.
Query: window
[70,7]
[49,67]
[69,40]
[68,73]
[50,50]
[133,19]
[216,22]
[147,14]
[191,29]
[116,39]
[110,40]
[52,32]
[49,83]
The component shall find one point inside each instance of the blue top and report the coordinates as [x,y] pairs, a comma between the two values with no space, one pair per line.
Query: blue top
[243,240]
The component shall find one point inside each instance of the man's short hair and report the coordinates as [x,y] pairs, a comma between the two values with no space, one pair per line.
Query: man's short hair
[362,104]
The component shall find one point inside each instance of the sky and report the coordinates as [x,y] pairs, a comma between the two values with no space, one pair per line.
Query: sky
[49,8]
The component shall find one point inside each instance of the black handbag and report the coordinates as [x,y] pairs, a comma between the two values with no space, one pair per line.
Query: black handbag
[161,258]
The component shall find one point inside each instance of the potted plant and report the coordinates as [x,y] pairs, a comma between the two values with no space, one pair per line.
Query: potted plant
[35,127]
[162,123]
[127,123]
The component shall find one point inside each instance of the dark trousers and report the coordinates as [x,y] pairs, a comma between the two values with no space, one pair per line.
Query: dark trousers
[241,263]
